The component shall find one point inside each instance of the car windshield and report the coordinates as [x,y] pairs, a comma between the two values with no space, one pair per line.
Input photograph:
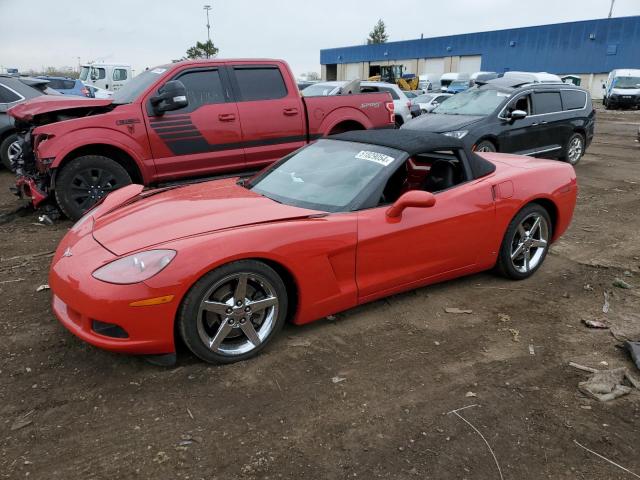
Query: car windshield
[627,82]
[84,73]
[474,101]
[458,84]
[137,85]
[318,90]
[327,175]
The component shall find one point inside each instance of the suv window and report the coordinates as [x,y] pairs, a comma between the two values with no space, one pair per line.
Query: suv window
[8,96]
[372,89]
[546,102]
[521,103]
[204,87]
[119,74]
[260,83]
[573,99]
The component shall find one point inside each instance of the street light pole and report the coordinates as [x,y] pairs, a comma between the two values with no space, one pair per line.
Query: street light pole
[611,9]
[207,8]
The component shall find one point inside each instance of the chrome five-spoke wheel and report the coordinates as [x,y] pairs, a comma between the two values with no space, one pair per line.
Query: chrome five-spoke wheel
[14,151]
[238,313]
[233,311]
[530,243]
[526,242]
[575,150]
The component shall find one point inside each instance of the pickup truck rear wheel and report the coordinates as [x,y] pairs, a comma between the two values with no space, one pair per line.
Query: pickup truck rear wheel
[85,180]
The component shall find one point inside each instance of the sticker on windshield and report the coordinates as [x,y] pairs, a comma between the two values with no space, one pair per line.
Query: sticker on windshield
[380,158]
[158,71]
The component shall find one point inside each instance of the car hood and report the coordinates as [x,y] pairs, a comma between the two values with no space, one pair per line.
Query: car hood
[439,123]
[625,91]
[166,215]
[26,111]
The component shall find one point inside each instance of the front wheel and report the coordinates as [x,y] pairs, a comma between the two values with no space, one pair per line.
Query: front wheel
[526,243]
[85,180]
[485,146]
[231,313]
[574,149]
[10,150]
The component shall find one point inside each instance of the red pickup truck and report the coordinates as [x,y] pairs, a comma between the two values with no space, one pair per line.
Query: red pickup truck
[187,119]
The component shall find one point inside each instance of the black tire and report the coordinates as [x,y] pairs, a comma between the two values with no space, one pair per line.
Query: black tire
[399,121]
[486,146]
[4,150]
[569,155]
[190,314]
[85,180]
[505,265]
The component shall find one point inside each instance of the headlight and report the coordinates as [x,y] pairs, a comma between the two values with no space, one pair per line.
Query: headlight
[135,268]
[456,133]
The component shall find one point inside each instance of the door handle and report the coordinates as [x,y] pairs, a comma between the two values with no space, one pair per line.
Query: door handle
[290,111]
[226,117]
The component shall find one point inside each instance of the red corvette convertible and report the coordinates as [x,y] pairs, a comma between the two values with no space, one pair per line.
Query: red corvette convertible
[347,220]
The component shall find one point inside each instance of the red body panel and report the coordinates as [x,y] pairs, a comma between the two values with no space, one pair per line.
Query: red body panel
[336,261]
[212,139]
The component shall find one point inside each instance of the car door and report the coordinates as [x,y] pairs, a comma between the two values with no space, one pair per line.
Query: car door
[270,110]
[519,136]
[426,243]
[554,126]
[202,138]
[119,76]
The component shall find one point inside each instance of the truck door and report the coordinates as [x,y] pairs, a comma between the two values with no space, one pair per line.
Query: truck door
[271,112]
[202,138]
[119,77]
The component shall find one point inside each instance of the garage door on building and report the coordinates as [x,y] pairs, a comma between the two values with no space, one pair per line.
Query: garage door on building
[352,71]
[470,64]
[431,65]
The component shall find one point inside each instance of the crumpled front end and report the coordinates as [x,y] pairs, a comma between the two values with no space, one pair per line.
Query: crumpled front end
[33,179]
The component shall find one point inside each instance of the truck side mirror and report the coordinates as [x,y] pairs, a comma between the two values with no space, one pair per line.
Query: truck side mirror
[171,96]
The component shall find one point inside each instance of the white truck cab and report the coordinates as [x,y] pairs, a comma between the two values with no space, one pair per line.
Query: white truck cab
[622,89]
[108,76]
[447,78]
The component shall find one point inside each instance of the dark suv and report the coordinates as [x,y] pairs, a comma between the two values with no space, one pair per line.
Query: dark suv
[515,115]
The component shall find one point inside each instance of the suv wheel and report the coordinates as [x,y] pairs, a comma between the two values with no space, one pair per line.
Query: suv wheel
[9,151]
[85,180]
[486,146]
[574,149]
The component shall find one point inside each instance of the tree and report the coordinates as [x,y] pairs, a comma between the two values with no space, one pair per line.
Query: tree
[312,76]
[378,34]
[202,50]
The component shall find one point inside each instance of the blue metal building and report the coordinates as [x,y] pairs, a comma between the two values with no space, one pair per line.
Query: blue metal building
[584,47]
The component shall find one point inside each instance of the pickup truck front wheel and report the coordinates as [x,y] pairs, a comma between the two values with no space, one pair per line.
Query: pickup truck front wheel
[85,180]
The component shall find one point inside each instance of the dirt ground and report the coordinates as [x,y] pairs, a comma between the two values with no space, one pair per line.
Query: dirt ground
[364,395]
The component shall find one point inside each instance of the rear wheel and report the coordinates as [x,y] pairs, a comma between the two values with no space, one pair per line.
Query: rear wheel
[231,313]
[10,150]
[526,243]
[574,149]
[85,180]
[485,146]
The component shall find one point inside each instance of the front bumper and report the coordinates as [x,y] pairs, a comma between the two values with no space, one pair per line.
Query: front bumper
[79,300]
[624,101]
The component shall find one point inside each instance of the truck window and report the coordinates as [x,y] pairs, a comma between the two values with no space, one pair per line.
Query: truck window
[573,99]
[260,83]
[98,73]
[546,102]
[204,87]
[119,74]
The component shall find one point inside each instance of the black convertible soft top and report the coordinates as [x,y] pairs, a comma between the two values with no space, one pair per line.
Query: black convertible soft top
[415,142]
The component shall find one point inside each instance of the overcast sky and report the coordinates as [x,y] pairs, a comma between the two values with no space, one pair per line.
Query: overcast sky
[151,32]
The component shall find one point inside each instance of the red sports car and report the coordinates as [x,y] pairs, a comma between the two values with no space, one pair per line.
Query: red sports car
[349,219]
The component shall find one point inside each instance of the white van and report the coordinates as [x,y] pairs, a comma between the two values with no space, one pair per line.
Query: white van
[447,78]
[535,77]
[108,76]
[622,89]
[426,81]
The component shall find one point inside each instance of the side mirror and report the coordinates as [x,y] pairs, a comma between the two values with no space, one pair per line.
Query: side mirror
[517,115]
[171,96]
[412,198]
